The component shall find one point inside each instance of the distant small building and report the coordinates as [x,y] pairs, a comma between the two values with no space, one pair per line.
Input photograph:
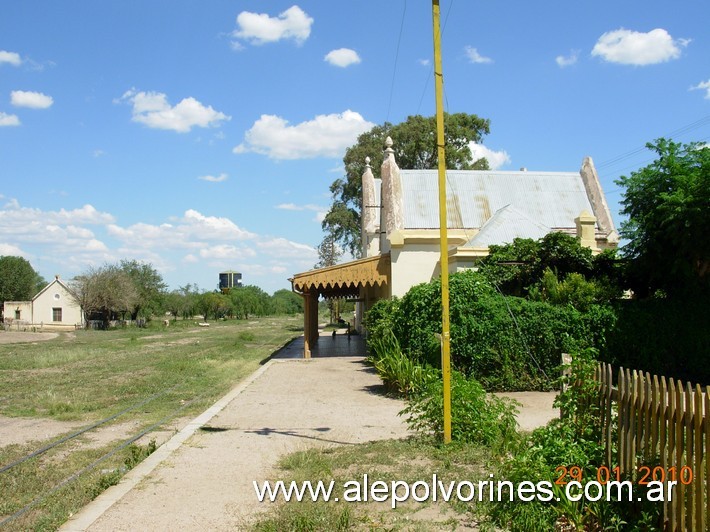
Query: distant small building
[54,307]
[229,280]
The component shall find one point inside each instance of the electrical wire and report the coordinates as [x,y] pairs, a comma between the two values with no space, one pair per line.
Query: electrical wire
[396,59]
[431,70]
[678,132]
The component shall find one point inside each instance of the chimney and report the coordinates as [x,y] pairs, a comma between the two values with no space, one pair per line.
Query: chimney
[392,218]
[585,230]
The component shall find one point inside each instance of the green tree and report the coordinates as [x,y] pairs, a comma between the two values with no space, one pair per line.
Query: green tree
[105,293]
[149,285]
[415,148]
[250,300]
[287,302]
[173,303]
[39,283]
[213,304]
[515,268]
[668,209]
[190,296]
[18,280]
[328,255]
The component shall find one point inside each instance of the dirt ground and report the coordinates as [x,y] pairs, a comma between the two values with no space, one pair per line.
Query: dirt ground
[203,480]
[207,482]
[20,337]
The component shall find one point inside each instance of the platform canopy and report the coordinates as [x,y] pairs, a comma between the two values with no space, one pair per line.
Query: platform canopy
[345,280]
[349,280]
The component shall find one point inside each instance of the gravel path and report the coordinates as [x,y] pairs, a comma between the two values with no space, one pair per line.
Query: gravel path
[202,479]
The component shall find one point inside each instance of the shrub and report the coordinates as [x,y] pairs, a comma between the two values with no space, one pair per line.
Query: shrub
[476,417]
[507,343]
[662,336]
[570,441]
[399,373]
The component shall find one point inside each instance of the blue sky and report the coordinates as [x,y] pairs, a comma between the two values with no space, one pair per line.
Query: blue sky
[203,136]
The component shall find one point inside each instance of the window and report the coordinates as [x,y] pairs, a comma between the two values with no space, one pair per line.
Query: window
[18,313]
[57,314]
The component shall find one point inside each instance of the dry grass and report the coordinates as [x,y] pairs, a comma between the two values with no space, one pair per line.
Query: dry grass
[88,376]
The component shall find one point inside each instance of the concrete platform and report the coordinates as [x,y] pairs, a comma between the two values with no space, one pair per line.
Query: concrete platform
[327,346]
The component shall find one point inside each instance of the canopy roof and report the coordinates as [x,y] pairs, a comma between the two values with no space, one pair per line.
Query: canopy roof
[345,280]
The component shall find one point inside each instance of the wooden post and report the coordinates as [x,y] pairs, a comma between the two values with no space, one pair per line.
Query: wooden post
[306,325]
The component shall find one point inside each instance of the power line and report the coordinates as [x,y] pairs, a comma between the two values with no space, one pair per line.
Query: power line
[678,132]
[431,70]
[396,59]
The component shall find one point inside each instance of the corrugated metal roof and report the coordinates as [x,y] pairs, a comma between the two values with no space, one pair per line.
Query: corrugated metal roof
[507,224]
[553,199]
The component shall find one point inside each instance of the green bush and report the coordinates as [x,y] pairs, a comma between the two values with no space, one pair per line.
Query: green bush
[476,417]
[505,342]
[662,336]
[399,373]
[570,441]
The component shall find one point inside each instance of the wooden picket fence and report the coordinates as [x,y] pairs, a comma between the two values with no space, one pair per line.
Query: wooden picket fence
[662,431]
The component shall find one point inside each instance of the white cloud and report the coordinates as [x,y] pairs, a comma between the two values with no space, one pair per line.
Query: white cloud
[213,227]
[226,251]
[495,159]
[703,86]
[289,207]
[214,179]
[153,110]
[8,120]
[424,62]
[475,57]
[14,213]
[260,28]
[10,250]
[629,47]
[281,247]
[69,240]
[569,60]
[33,100]
[342,57]
[189,232]
[10,58]
[60,232]
[324,136]
[318,209]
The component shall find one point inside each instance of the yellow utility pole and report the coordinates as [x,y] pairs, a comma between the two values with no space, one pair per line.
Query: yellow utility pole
[443,223]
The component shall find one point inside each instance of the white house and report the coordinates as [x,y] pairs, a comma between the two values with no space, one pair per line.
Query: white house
[54,307]
[400,227]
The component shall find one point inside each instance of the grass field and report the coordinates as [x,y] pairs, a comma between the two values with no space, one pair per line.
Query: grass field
[150,376]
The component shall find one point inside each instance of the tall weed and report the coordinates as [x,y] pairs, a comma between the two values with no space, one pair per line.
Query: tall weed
[476,417]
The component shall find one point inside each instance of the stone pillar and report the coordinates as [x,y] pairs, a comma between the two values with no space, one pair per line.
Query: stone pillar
[593,187]
[392,218]
[586,232]
[370,210]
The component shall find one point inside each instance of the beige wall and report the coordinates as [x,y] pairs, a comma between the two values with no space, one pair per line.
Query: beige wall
[56,296]
[25,308]
[413,264]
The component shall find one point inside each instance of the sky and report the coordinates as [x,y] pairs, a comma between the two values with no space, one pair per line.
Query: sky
[203,136]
